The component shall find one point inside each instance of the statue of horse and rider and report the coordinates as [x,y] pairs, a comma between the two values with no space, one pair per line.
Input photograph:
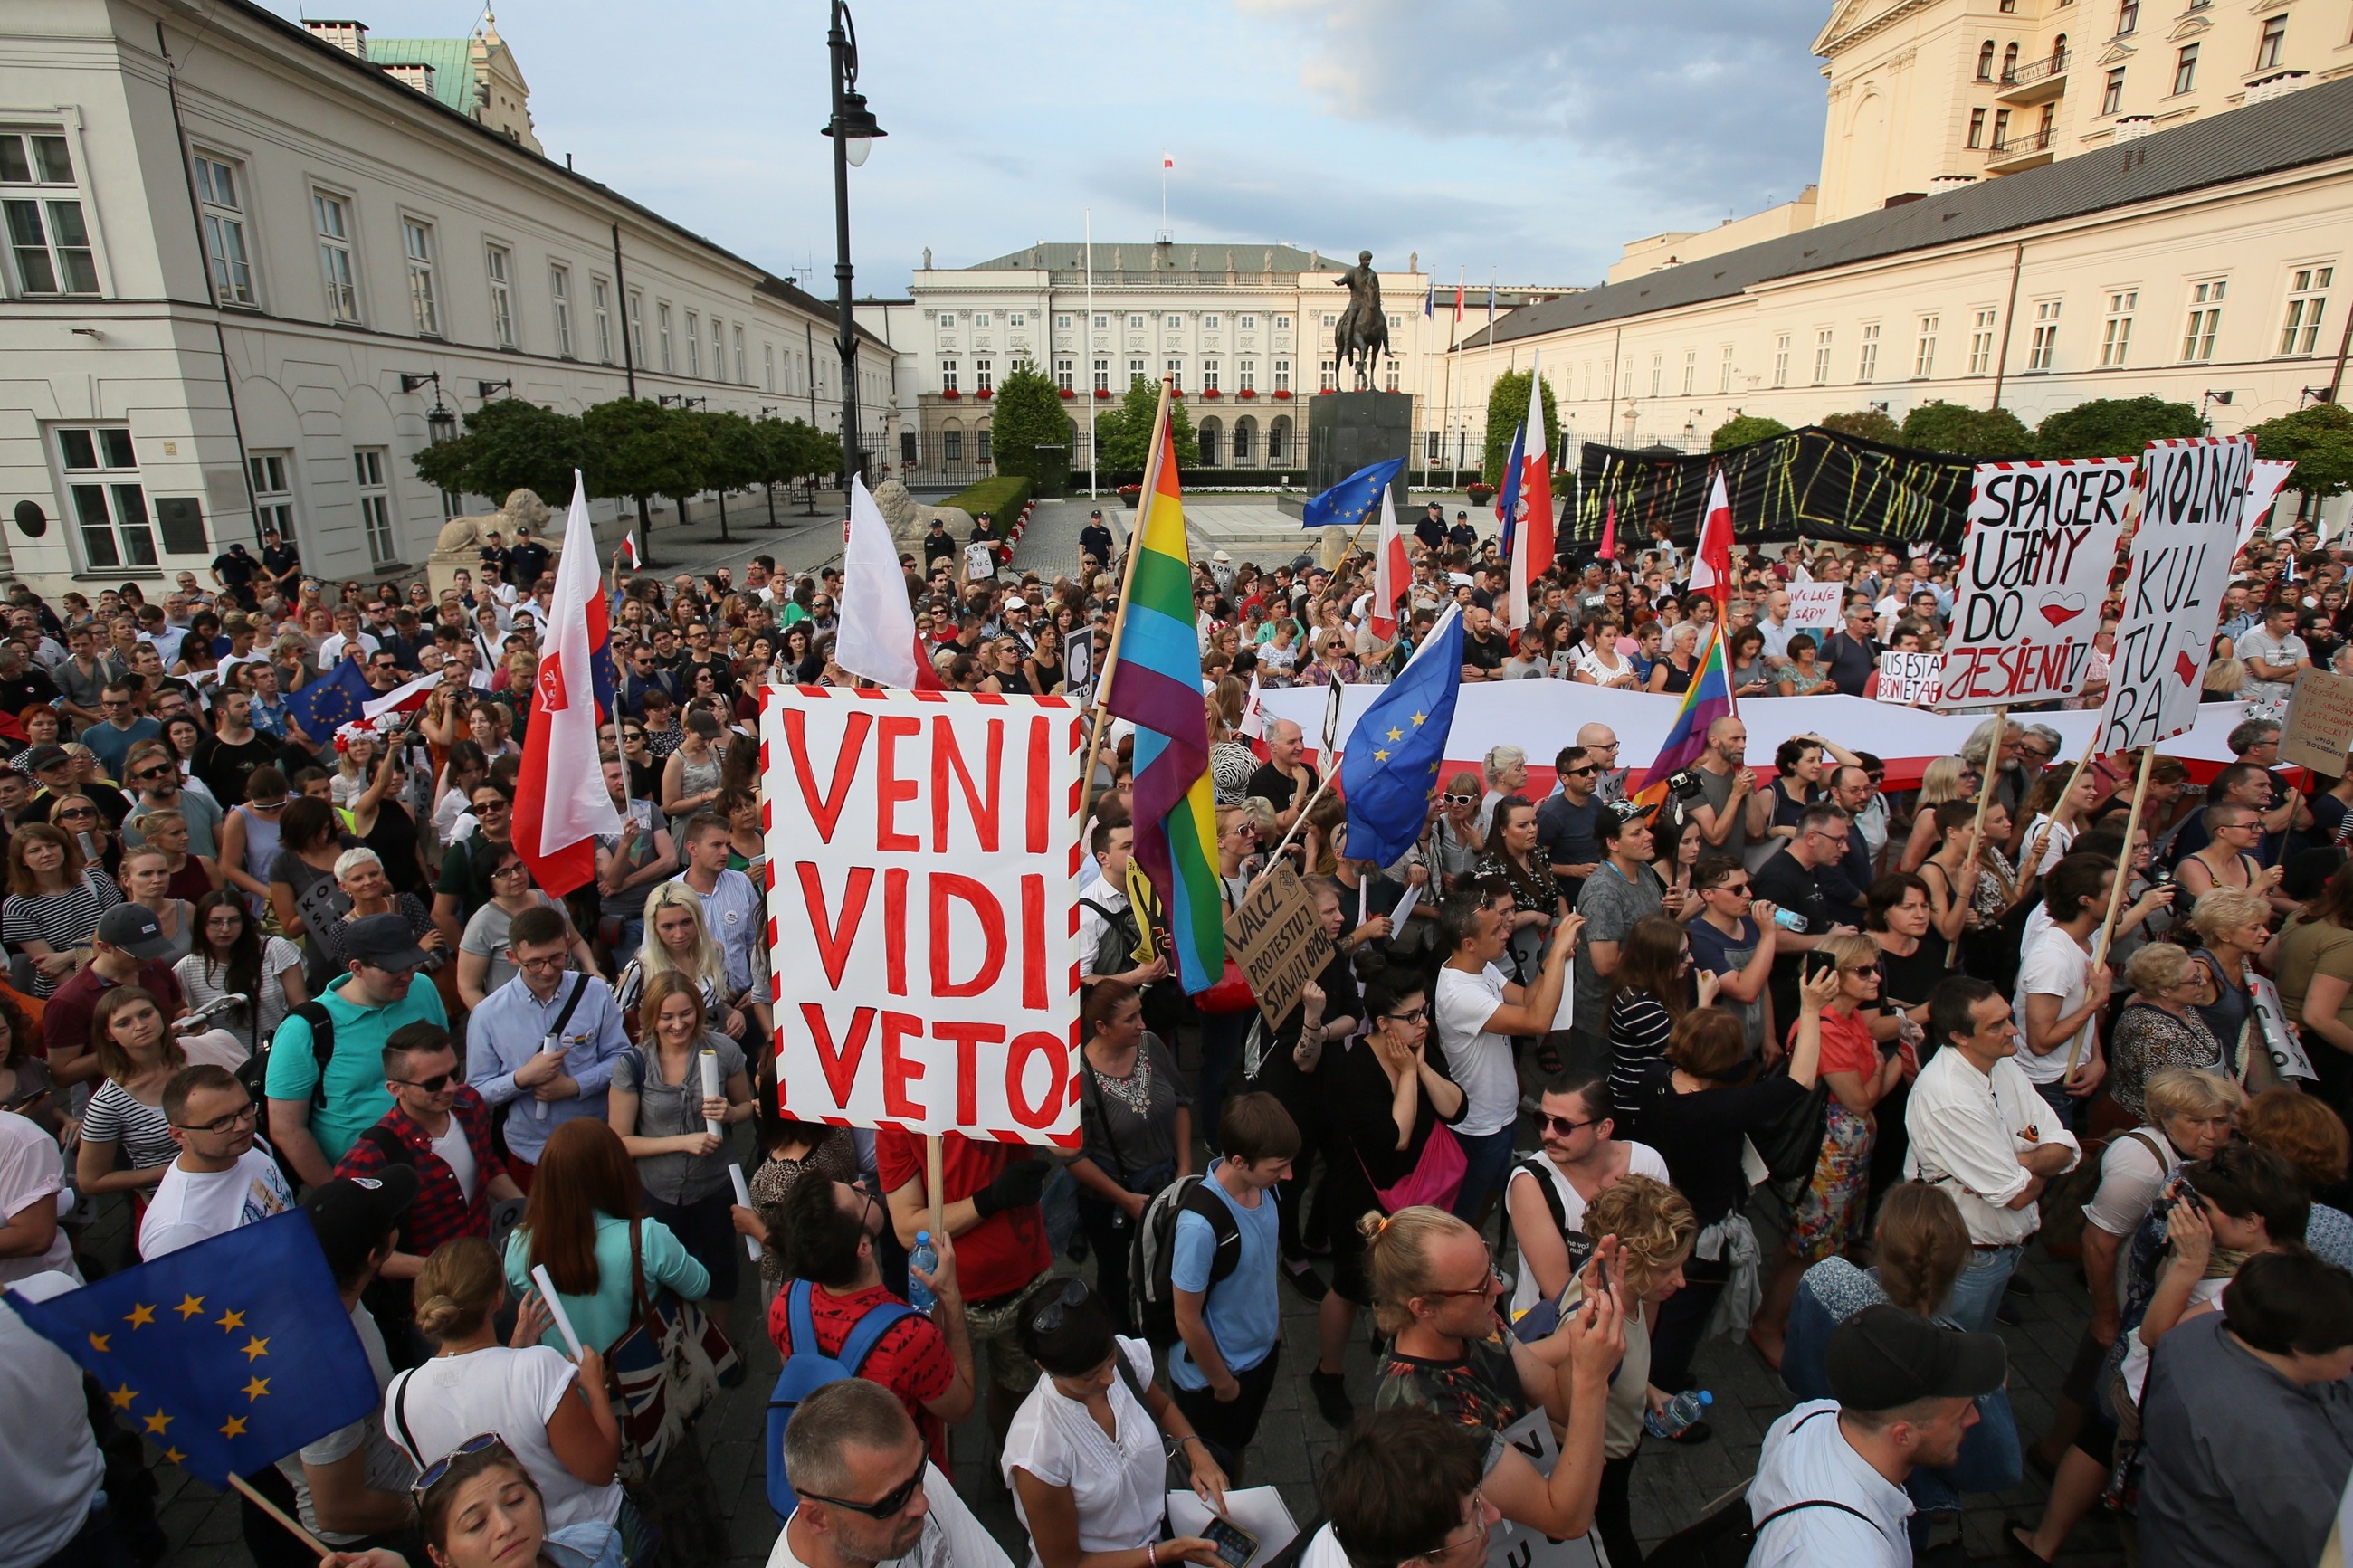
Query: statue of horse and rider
[1364,329]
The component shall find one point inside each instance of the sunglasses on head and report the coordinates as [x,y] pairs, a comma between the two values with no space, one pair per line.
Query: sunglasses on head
[433,1473]
[1049,1319]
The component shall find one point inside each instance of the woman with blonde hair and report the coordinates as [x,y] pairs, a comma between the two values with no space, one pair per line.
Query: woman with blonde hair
[2159,1028]
[1943,779]
[555,1416]
[2234,926]
[676,940]
[1434,1290]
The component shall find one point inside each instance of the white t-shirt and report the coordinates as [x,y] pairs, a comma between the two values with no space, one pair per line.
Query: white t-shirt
[49,1468]
[513,1392]
[1119,1486]
[1479,1062]
[2053,966]
[331,646]
[1641,1160]
[32,1170]
[458,1155]
[190,1206]
[2131,1176]
[385,1468]
[2259,644]
[952,1537]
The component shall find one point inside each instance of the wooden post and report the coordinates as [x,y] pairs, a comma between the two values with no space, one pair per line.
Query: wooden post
[933,1183]
[1992,766]
[2116,892]
[308,1541]
[1126,588]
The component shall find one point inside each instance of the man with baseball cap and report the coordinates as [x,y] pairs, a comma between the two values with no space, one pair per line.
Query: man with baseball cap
[1094,539]
[315,1115]
[128,948]
[1830,1481]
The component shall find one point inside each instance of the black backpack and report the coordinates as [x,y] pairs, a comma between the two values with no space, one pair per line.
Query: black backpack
[1726,1535]
[254,1071]
[1152,1254]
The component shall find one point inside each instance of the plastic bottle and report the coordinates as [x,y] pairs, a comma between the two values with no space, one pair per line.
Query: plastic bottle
[1681,1410]
[1789,920]
[926,1258]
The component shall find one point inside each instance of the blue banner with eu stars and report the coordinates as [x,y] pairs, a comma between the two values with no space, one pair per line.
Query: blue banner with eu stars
[1397,746]
[230,1354]
[1350,501]
[338,698]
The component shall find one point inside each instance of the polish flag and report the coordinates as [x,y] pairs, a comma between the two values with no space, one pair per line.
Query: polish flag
[561,804]
[876,635]
[405,698]
[628,553]
[1390,572]
[1532,553]
[1711,572]
[1167,161]
[1252,728]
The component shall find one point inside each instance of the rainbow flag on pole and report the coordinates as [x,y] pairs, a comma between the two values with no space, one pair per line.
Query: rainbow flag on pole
[1156,682]
[1706,699]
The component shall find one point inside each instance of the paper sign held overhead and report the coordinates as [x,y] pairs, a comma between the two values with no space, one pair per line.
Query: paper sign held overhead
[2035,570]
[1814,607]
[923,906]
[1276,936]
[2193,497]
[1911,678]
[2319,729]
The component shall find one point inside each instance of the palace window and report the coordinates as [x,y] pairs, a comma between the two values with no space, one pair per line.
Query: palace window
[46,237]
[1924,357]
[224,224]
[109,503]
[1822,357]
[559,296]
[2116,333]
[2043,352]
[424,306]
[333,219]
[1781,360]
[2112,96]
[2307,298]
[1866,367]
[498,264]
[2185,68]
[2205,319]
[273,492]
[2267,49]
[1981,343]
[600,301]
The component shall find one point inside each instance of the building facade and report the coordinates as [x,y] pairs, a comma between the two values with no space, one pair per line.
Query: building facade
[250,276]
[2198,265]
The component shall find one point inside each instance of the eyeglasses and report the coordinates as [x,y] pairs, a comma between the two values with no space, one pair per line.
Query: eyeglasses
[1494,1277]
[156,772]
[489,807]
[555,962]
[433,1085]
[1482,1527]
[1049,1319]
[891,1502]
[1418,1015]
[1562,1126]
[517,868]
[1581,772]
[1729,890]
[433,1473]
[221,1125]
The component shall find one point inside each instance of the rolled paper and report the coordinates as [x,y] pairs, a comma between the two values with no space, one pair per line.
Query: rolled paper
[744,1199]
[556,1307]
[711,1091]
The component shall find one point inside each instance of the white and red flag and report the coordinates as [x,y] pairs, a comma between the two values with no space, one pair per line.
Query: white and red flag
[1532,553]
[877,634]
[627,554]
[1711,572]
[561,804]
[1390,572]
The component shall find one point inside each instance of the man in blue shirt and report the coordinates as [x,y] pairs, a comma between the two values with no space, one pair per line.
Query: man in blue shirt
[1231,1326]
[504,1036]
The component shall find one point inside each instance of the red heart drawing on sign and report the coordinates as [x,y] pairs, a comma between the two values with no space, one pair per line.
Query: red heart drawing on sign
[2185,668]
[2060,608]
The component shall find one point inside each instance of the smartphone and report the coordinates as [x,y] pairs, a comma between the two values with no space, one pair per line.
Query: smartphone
[1813,964]
[1236,1546]
[25,1100]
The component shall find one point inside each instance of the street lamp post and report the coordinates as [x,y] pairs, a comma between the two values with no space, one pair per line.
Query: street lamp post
[853,130]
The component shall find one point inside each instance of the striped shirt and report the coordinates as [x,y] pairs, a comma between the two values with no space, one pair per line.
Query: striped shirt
[1638,1028]
[63,920]
[142,1129]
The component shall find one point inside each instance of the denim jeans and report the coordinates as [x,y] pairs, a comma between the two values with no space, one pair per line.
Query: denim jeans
[1487,1158]
[1978,1291]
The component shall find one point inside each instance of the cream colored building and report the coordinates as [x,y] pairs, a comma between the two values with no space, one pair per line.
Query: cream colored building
[250,261]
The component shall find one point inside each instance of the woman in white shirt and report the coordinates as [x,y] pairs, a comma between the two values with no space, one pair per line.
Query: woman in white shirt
[1599,663]
[553,1415]
[1083,1457]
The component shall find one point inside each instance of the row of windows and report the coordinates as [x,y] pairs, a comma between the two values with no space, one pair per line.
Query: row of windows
[2300,335]
[1214,441]
[2271,46]
[1137,322]
[984,375]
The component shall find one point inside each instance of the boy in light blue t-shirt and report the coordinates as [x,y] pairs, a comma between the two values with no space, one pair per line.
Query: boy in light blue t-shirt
[1232,1327]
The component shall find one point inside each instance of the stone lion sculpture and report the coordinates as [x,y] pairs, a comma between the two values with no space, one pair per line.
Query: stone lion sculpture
[910,520]
[464,535]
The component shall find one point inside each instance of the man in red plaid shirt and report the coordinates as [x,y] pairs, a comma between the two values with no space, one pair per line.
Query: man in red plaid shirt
[441,1126]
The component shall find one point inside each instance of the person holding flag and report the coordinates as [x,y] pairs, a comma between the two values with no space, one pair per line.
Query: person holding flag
[561,804]
[1525,506]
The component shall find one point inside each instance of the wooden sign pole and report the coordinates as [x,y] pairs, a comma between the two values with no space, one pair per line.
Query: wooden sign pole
[1127,589]
[2117,889]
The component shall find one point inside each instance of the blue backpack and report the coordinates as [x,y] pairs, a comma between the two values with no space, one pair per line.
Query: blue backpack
[808,1369]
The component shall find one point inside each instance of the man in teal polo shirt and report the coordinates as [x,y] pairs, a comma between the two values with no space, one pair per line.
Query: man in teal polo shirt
[314,1125]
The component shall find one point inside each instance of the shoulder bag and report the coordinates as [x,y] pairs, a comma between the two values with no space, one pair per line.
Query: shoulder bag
[664,1372]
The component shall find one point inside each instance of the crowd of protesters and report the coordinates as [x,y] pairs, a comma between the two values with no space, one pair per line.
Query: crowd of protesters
[1841,1053]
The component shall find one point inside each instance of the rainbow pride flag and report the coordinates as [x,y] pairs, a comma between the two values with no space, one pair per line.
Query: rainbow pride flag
[1157,684]
[1706,699]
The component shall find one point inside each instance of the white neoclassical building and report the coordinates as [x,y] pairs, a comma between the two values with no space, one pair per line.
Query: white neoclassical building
[249,261]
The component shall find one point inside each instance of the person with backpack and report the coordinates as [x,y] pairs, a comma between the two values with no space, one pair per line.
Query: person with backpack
[1829,1482]
[1109,931]
[1545,1196]
[1136,1117]
[836,1318]
[324,1072]
[1222,1281]
[439,1125]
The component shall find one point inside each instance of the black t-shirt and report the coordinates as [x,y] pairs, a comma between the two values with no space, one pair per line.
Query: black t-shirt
[1698,1135]
[1567,832]
[1851,663]
[1096,541]
[525,563]
[938,545]
[1431,531]
[224,767]
[29,686]
[1484,653]
[280,559]
[1463,534]
[1270,784]
[1783,881]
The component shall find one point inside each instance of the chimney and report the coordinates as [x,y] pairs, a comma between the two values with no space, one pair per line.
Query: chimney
[349,37]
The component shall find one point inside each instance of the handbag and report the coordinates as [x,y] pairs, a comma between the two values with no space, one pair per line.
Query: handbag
[664,1372]
[1436,1178]
[1790,1146]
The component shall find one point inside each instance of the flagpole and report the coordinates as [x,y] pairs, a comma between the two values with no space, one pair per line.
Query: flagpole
[309,1541]
[1155,453]
[1483,435]
[612,652]
[1094,465]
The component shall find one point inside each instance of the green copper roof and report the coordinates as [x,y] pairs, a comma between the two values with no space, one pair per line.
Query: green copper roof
[453,70]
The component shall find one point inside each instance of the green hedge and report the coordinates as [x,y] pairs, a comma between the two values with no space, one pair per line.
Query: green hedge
[1002,497]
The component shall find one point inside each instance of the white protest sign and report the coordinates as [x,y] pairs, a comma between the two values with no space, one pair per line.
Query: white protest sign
[1910,679]
[1514,1545]
[2193,496]
[2270,477]
[2035,570]
[1814,607]
[923,902]
[2286,1051]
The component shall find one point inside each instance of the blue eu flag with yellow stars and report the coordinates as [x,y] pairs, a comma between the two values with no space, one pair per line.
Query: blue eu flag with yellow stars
[1350,501]
[336,699]
[1398,745]
[227,1355]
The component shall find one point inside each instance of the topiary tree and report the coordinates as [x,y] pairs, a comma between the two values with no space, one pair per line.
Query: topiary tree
[642,451]
[509,445]
[2318,439]
[737,458]
[1744,430]
[2114,427]
[1867,423]
[1941,426]
[1029,416]
[1507,404]
[1123,435]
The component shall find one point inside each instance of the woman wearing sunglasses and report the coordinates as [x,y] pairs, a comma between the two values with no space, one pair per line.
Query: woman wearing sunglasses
[1083,1457]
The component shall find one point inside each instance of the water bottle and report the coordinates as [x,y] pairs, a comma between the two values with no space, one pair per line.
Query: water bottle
[1681,1410]
[1789,920]
[926,1258]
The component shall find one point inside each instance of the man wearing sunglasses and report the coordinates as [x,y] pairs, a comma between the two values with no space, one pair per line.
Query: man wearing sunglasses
[439,1124]
[155,775]
[869,1498]
[1545,1196]
[1564,822]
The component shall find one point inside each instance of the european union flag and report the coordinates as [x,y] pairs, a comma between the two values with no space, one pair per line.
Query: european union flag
[331,702]
[230,1354]
[1398,745]
[1348,503]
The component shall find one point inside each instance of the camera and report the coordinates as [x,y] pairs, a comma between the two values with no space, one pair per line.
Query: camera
[1685,784]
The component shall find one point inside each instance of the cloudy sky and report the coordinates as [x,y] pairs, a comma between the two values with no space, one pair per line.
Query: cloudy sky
[1531,138]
